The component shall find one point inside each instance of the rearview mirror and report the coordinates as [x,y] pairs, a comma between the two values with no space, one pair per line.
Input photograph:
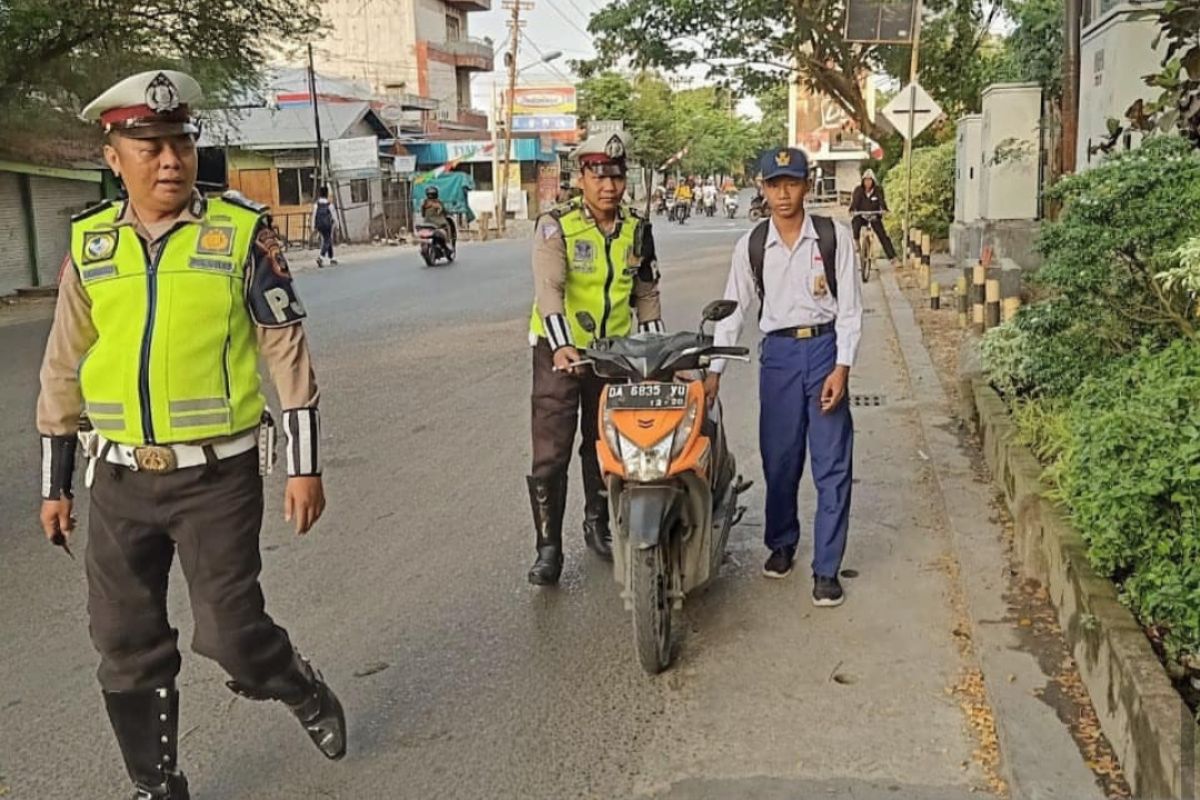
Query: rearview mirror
[718,310]
[586,321]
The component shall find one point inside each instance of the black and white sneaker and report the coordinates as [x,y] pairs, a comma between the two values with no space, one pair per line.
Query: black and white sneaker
[827,592]
[779,565]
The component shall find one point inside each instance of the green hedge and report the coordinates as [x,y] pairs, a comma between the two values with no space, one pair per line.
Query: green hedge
[932,192]
[1103,377]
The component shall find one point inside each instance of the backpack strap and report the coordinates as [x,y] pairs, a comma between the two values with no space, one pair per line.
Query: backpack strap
[827,245]
[758,250]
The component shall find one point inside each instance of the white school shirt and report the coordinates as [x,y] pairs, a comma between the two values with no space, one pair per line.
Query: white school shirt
[789,283]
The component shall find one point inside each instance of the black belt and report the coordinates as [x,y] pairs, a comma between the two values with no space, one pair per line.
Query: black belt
[808,332]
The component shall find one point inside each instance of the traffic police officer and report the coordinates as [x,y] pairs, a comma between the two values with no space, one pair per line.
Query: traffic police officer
[811,315]
[596,255]
[166,301]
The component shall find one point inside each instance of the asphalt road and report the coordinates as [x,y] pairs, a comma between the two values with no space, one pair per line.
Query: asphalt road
[461,680]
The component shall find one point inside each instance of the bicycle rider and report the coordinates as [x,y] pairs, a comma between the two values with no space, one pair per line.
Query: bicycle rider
[867,206]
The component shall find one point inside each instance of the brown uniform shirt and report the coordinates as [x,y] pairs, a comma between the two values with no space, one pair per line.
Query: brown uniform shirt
[550,271]
[285,350]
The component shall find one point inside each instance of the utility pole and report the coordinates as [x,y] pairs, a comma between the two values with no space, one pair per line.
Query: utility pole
[516,6]
[312,96]
[1070,86]
[913,67]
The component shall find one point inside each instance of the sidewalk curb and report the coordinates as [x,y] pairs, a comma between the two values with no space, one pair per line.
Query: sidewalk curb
[1039,759]
[1145,719]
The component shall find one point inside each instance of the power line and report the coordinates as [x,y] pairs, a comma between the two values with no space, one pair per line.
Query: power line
[545,63]
[567,19]
[579,10]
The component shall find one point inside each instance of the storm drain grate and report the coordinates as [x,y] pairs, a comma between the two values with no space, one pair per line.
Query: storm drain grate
[867,400]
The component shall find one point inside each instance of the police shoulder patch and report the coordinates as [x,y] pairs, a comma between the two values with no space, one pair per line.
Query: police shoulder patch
[90,211]
[636,213]
[239,199]
[271,295]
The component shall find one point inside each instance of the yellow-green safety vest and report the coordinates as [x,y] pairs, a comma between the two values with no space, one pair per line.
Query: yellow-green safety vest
[600,273]
[176,358]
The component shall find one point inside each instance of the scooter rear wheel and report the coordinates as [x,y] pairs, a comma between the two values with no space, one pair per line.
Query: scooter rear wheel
[651,584]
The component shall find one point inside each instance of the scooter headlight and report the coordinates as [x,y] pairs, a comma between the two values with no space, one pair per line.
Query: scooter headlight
[646,464]
[684,431]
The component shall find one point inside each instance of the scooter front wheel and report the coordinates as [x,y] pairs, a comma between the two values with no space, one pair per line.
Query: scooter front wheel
[651,584]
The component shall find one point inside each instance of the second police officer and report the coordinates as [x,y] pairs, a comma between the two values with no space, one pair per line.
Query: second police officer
[596,255]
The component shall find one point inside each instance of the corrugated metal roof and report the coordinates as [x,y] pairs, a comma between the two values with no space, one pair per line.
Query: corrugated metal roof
[271,129]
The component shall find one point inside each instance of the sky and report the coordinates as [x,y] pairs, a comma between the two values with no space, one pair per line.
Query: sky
[552,25]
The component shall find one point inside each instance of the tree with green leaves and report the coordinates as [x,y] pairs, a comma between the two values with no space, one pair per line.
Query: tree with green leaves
[755,44]
[662,121]
[55,55]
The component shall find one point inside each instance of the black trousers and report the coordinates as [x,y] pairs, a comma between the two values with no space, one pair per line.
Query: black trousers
[889,249]
[211,516]
[561,403]
[326,242]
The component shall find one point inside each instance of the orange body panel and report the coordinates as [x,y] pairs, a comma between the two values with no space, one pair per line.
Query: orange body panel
[647,427]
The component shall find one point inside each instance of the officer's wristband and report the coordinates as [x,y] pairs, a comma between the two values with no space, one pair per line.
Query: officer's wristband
[58,466]
[653,326]
[558,333]
[303,429]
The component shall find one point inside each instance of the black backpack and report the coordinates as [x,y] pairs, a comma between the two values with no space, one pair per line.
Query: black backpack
[324,217]
[826,243]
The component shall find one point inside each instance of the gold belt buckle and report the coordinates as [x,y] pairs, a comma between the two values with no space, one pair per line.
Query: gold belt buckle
[155,459]
[804,333]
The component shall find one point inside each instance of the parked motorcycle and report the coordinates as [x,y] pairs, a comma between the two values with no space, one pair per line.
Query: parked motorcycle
[758,208]
[731,205]
[672,482]
[435,245]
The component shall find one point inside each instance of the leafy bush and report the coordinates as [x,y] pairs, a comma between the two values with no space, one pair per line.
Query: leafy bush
[932,192]
[1004,355]
[1131,479]
[1123,223]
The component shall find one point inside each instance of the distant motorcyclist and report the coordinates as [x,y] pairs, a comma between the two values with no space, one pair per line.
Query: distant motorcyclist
[433,212]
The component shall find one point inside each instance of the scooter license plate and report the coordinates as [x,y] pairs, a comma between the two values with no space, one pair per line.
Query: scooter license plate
[647,395]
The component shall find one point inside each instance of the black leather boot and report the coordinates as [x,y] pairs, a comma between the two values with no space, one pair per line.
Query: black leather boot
[596,533]
[302,689]
[548,498]
[146,723]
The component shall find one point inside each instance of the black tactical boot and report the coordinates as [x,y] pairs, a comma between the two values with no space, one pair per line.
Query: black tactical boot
[146,723]
[596,534]
[548,498]
[302,689]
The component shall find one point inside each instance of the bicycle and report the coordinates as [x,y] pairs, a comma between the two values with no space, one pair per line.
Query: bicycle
[866,243]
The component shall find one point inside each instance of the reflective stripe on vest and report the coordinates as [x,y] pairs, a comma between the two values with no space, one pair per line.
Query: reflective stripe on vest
[600,275]
[176,357]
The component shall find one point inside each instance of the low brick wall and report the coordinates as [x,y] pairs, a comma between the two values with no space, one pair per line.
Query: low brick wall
[1148,724]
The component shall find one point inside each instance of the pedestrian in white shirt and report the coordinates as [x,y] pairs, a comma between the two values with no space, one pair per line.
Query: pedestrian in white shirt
[800,269]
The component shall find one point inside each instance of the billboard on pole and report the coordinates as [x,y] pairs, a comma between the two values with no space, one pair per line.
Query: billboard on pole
[544,100]
[879,21]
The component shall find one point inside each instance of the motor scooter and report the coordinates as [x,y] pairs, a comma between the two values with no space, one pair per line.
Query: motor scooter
[759,208]
[672,482]
[731,205]
[435,245]
[710,205]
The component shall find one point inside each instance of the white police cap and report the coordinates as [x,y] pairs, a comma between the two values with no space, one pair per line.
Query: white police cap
[148,105]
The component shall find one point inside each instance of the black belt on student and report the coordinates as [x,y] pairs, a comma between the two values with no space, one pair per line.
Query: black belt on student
[805,332]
